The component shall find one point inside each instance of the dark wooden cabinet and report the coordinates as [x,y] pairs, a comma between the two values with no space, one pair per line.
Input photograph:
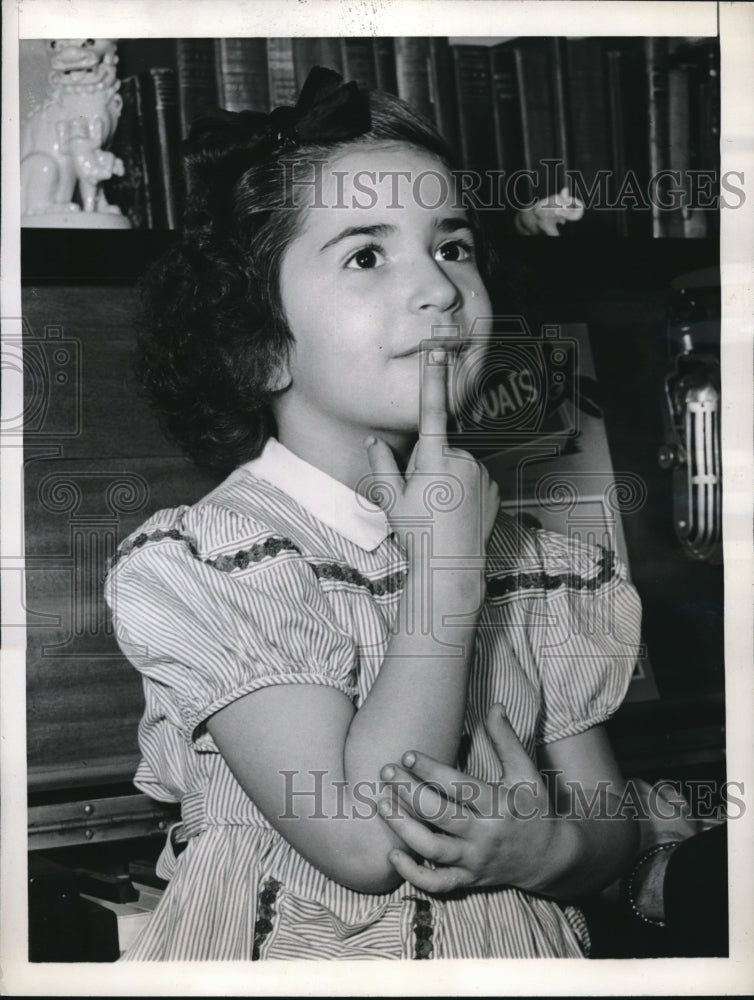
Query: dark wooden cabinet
[96,465]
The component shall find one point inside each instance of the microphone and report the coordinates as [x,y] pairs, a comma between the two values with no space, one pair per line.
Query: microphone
[691,417]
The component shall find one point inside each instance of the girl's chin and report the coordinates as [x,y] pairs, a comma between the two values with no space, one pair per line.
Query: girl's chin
[401,436]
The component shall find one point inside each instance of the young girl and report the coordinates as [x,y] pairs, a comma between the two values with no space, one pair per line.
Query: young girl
[347,612]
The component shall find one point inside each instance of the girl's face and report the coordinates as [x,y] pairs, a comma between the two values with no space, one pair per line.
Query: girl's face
[371,275]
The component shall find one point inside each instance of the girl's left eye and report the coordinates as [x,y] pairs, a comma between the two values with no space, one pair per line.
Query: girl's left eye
[456,250]
[366,259]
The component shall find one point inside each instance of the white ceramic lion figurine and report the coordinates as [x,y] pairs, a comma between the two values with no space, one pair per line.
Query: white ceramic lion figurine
[63,142]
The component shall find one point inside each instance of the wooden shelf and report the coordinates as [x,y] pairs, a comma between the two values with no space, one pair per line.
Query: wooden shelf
[580,267]
[90,255]
[62,256]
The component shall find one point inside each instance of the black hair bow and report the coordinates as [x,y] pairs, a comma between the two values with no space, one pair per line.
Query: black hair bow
[327,110]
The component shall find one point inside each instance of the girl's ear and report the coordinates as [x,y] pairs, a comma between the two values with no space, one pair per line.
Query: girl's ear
[281,377]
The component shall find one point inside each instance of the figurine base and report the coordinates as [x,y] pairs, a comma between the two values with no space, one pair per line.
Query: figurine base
[76,220]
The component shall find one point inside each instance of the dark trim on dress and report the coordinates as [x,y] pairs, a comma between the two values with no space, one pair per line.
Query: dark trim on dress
[347,574]
[269,548]
[503,586]
[225,563]
[266,912]
[423,928]
[497,586]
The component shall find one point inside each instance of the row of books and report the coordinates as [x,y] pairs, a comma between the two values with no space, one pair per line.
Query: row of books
[604,116]
[623,122]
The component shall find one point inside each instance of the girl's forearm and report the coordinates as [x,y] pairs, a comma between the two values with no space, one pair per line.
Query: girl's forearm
[318,778]
[419,697]
[418,700]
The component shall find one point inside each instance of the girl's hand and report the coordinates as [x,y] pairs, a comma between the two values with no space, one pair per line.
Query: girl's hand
[482,834]
[445,490]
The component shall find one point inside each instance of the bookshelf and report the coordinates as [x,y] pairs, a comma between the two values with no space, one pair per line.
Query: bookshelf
[630,124]
[79,256]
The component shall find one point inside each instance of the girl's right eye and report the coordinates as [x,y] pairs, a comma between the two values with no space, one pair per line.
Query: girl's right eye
[365,259]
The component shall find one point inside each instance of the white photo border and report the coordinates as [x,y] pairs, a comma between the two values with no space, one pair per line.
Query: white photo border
[226,18]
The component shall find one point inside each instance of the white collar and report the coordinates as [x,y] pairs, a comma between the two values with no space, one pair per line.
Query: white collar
[335,504]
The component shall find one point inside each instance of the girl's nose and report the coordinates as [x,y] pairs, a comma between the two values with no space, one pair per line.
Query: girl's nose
[431,288]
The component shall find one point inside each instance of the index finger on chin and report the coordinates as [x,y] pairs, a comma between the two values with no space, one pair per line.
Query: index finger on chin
[433,414]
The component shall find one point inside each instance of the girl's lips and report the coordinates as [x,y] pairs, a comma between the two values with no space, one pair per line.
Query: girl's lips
[454,346]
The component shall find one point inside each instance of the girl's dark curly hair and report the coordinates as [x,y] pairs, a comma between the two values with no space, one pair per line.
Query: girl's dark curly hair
[215,332]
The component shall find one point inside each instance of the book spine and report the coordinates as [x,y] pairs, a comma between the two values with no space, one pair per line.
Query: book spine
[475,116]
[506,108]
[162,129]
[556,59]
[700,60]
[281,72]
[628,134]
[241,65]
[709,128]
[358,61]
[384,60]
[618,161]
[586,90]
[442,92]
[131,191]
[412,73]
[330,54]
[679,142]
[684,135]
[197,79]
[591,156]
[307,53]
[657,83]
[709,108]
[540,142]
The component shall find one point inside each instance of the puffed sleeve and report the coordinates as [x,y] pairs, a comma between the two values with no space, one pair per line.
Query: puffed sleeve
[588,647]
[210,606]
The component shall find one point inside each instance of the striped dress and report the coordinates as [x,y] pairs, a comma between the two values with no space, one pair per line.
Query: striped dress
[284,576]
